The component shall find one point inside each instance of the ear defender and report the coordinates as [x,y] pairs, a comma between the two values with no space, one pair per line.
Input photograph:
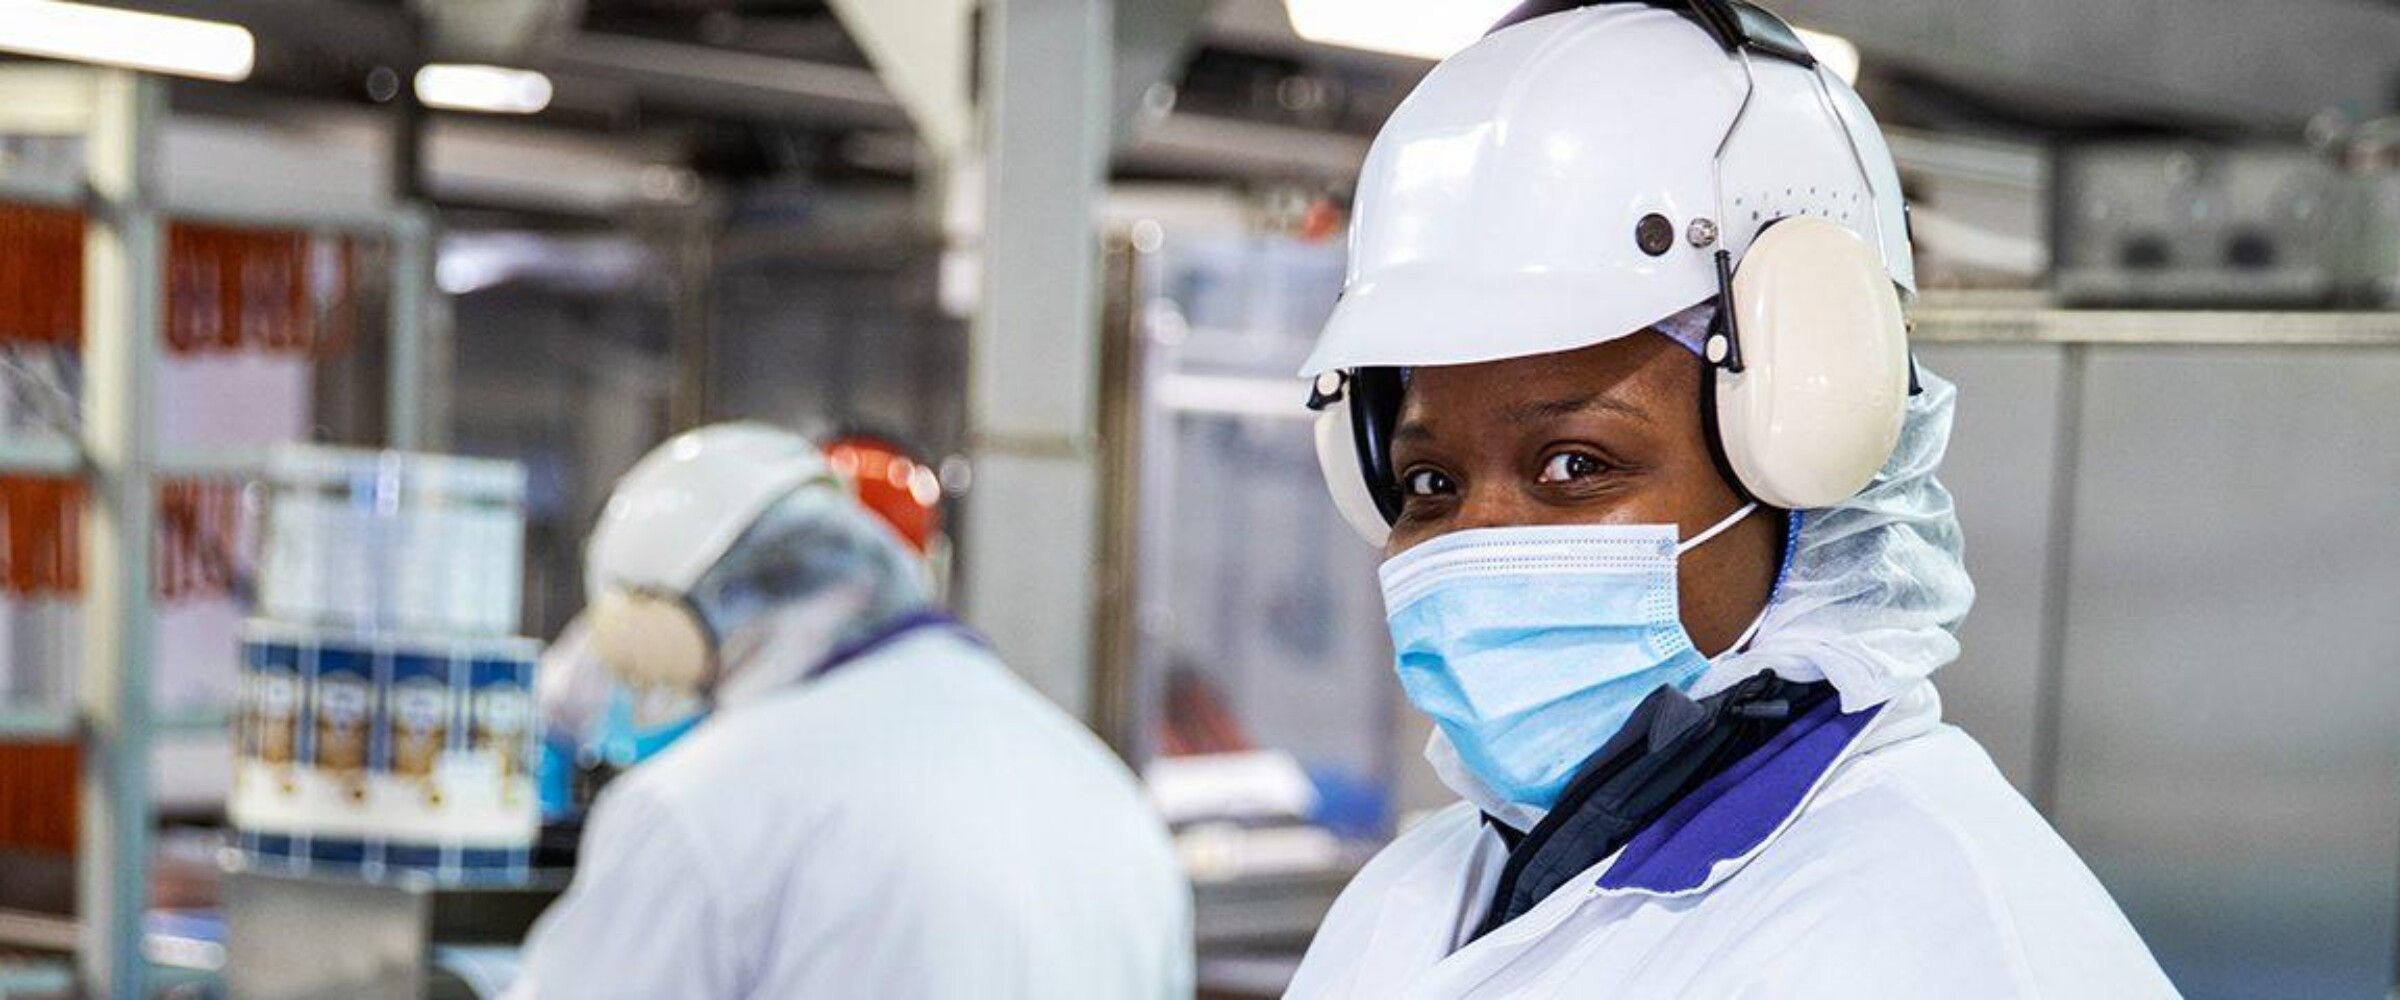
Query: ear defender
[1812,367]
[650,641]
[1355,414]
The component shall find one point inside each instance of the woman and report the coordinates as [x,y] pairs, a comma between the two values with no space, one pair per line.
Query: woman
[1619,381]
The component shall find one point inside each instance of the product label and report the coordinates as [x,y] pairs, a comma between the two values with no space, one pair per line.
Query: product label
[421,713]
[268,717]
[345,710]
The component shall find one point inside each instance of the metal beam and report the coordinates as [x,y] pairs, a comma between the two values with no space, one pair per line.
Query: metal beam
[697,77]
[703,78]
[921,51]
[123,278]
[1153,39]
[1216,145]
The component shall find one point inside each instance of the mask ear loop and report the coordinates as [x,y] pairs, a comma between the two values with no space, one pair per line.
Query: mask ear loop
[1702,538]
[1742,642]
[1716,529]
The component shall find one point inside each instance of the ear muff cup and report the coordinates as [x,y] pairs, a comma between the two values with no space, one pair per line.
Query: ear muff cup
[650,641]
[1814,408]
[1345,481]
[1355,416]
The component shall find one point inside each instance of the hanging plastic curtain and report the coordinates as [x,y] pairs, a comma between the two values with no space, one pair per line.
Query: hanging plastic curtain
[272,291]
[41,275]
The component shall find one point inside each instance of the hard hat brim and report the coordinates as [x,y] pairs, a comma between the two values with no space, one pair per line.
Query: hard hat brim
[1409,317]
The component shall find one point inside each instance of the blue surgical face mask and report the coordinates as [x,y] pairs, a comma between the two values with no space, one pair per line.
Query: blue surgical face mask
[1530,647]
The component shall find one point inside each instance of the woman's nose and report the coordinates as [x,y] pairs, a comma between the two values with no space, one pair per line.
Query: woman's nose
[1489,507]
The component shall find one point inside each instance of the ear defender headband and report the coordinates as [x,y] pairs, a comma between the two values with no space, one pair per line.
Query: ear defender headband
[1808,372]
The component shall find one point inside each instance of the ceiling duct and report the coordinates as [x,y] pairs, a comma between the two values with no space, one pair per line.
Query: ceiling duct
[496,31]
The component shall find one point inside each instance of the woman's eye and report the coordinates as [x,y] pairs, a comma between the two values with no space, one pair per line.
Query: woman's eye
[1425,483]
[1568,466]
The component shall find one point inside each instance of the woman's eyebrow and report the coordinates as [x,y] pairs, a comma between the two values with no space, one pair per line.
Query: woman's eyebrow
[1540,410]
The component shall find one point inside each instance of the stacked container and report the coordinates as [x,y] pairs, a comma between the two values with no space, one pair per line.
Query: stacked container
[386,718]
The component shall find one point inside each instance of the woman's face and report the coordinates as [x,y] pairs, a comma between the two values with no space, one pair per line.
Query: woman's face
[1609,434]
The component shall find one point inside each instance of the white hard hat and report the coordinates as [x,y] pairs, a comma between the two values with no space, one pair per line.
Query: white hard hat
[683,505]
[1588,170]
[1501,209]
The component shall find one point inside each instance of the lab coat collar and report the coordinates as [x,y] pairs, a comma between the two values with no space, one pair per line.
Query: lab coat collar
[1690,851]
[769,673]
[890,632]
[1732,818]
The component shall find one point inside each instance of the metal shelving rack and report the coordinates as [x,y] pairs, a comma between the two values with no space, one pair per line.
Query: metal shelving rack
[114,721]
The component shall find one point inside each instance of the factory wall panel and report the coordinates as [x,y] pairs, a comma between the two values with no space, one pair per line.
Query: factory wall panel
[2002,471]
[2230,757]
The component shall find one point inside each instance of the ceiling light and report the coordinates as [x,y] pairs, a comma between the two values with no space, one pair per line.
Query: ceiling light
[1427,29]
[182,46]
[492,89]
[1433,29]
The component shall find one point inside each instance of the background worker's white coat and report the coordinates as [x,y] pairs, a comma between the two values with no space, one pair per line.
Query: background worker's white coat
[1913,871]
[916,824]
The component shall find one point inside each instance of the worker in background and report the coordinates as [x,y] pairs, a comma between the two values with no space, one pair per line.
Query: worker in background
[595,727]
[875,806]
[1620,381]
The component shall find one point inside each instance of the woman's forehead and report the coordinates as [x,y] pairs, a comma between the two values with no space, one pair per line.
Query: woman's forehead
[1644,376]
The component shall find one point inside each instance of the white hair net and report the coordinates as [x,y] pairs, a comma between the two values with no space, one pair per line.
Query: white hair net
[1872,588]
[1690,326]
[815,572]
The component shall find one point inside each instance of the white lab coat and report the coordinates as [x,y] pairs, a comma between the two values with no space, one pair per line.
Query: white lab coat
[917,824]
[1907,868]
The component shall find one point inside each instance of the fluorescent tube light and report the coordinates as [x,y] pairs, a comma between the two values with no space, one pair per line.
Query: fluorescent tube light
[492,89]
[1433,29]
[210,50]
[1427,29]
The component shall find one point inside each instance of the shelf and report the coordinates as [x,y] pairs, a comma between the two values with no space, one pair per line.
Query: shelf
[214,462]
[35,725]
[45,931]
[1964,325]
[61,457]
[47,192]
[55,192]
[40,456]
[375,225]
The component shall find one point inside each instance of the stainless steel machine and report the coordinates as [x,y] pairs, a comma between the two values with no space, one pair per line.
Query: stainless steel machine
[2188,224]
[297,937]
[2183,224]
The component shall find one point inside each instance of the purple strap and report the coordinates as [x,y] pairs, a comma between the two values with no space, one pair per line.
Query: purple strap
[1737,810]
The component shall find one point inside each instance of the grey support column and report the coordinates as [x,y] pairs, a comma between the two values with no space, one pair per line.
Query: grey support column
[1032,538]
[416,418]
[123,288]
